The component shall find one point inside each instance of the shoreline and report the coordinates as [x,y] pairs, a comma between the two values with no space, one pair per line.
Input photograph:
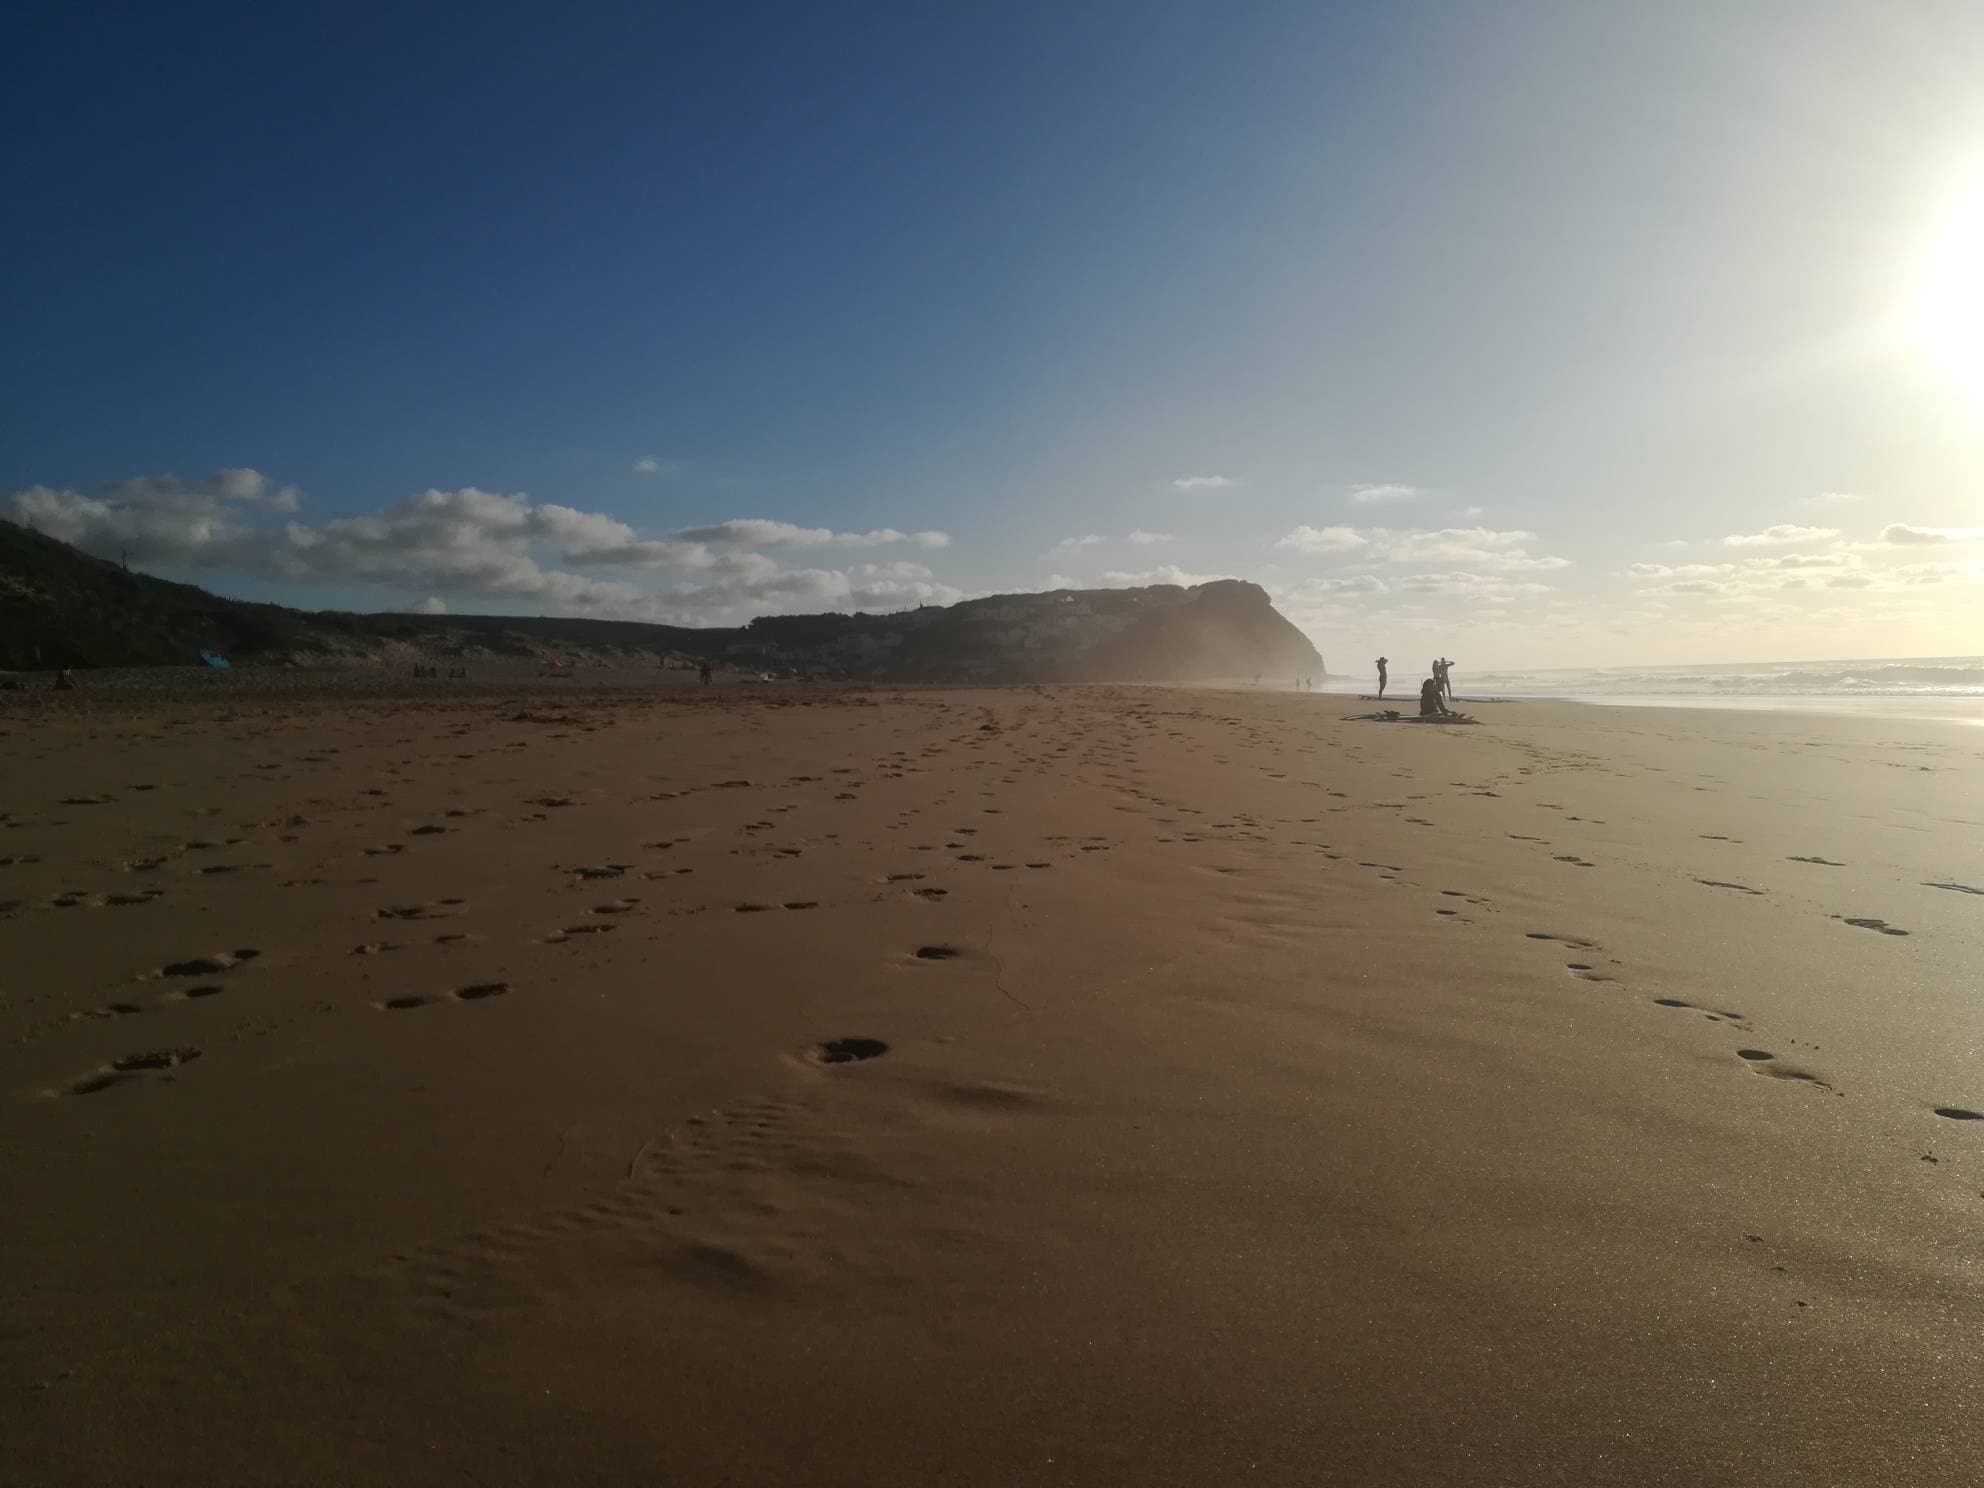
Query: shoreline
[1958,709]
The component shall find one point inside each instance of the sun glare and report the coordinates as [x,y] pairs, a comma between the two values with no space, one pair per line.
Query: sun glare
[1946,317]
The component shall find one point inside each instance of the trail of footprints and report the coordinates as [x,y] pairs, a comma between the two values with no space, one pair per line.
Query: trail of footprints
[1758,1061]
[206,976]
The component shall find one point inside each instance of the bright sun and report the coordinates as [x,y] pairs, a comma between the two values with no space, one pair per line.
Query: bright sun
[1946,316]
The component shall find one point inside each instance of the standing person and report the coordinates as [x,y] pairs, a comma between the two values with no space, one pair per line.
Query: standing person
[705,670]
[1381,679]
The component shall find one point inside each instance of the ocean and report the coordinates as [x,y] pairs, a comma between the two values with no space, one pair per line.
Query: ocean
[1943,687]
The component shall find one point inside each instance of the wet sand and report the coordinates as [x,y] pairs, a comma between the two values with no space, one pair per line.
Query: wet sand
[1069,1085]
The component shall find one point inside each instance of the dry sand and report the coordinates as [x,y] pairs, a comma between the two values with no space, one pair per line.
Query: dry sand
[433,1092]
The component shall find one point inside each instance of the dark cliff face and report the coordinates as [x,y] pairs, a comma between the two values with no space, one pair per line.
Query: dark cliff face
[61,607]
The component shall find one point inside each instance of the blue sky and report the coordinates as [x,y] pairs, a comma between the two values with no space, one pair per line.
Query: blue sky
[1459,327]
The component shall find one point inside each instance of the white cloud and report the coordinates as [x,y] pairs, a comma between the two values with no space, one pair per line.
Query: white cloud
[1086,540]
[1471,585]
[1478,547]
[1306,539]
[1678,570]
[1373,494]
[1924,573]
[1329,588]
[757,532]
[1782,535]
[432,605]
[1169,573]
[1205,482]
[1835,498]
[482,545]
[252,488]
[647,467]
[1903,535]
[1144,539]
[154,517]
[1474,547]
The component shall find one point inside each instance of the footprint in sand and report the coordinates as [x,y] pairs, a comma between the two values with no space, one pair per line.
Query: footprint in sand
[1822,862]
[212,965]
[131,1067]
[1717,883]
[1763,1062]
[1713,1017]
[1953,887]
[1864,923]
[847,1050]
[1959,1113]
[562,936]
[1576,943]
[439,909]
[474,992]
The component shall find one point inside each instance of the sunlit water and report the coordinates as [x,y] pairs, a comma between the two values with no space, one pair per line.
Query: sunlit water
[1949,688]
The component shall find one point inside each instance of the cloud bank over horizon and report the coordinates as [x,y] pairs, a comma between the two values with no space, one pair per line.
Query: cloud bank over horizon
[485,546]
[1349,586]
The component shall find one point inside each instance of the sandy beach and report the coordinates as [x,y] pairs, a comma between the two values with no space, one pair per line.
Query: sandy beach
[1041,1085]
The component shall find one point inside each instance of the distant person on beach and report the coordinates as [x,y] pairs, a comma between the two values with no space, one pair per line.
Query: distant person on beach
[1381,679]
[1444,670]
[705,670]
[1430,705]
